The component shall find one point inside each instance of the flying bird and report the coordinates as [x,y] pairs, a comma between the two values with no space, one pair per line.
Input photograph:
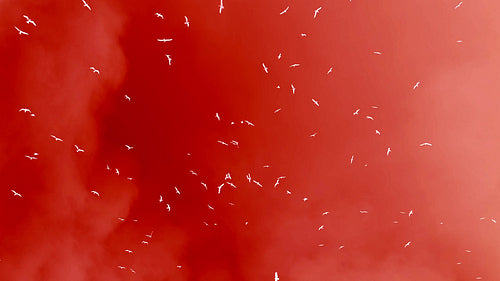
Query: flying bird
[277,110]
[78,149]
[364,212]
[369,117]
[356,112]
[31,157]
[295,65]
[121,267]
[377,53]
[127,97]
[95,193]
[407,244]
[325,213]
[257,183]
[15,193]
[388,151]
[410,213]
[285,10]
[210,207]
[20,31]
[459,4]
[177,190]
[86,5]
[416,85]
[117,172]
[317,11]
[94,70]
[221,7]
[313,135]
[249,123]
[276,278]
[164,40]
[329,70]
[265,68]
[149,235]
[278,180]
[169,58]
[129,147]
[158,15]
[321,227]
[217,116]
[293,89]
[187,21]
[426,144]
[377,132]
[29,21]
[221,142]
[315,102]
[352,158]
[25,110]
[279,56]
[219,188]
[55,138]
[168,207]
[129,251]
[161,199]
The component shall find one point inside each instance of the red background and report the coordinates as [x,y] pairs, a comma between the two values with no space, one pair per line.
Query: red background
[58,230]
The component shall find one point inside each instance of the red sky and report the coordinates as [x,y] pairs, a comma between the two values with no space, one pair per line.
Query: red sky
[378,51]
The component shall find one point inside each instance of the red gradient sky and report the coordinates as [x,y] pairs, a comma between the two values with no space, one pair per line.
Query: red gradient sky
[59,230]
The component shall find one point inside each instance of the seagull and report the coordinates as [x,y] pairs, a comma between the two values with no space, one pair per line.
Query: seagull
[305,199]
[303,34]
[265,67]
[277,110]
[187,21]
[117,172]
[179,266]
[352,158]
[329,70]
[317,11]
[20,31]
[231,184]
[204,185]
[321,227]
[210,207]
[15,193]
[293,89]
[177,190]
[313,135]
[426,144]
[249,123]
[377,53]
[221,7]
[325,213]
[315,102]
[131,270]
[459,4]
[158,15]
[144,242]
[364,212]
[169,58]
[278,180]
[164,40]
[95,193]
[161,199]
[377,132]
[28,20]
[168,207]
[86,5]
[217,116]
[416,85]
[121,267]
[31,157]
[388,151]
[129,251]
[407,244]
[193,172]
[219,188]
[410,213]
[342,246]
[285,10]
[221,142]
[279,56]
[356,112]
[149,235]
[55,138]
[369,117]
[95,70]
[276,278]
[121,219]
[249,178]
[78,149]
[257,183]
[127,97]
[295,65]
[25,110]
[129,147]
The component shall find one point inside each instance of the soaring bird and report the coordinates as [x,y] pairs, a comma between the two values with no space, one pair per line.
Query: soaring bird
[15,193]
[158,15]
[20,31]
[29,21]
[95,70]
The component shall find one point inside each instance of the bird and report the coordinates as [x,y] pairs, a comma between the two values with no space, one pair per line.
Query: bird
[95,193]
[352,158]
[149,235]
[129,251]
[20,31]
[217,116]
[187,21]
[356,112]
[86,5]
[177,190]
[231,184]
[117,172]
[364,212]
[279,56]
[15,193]
[158,15]
[94,70]
[79,149]
[204,185]
[235,143]
[277,110]
[315,102]
[410,213]
[121,219]
[179,266]
[249,123]
[303,35]
[285,10]
[416,85]
[276,278]
[26,110]
[127,97]
[55,138]
[278,180]
[161,199]
[377,53]
[131,270]
[373,106]
[426,144]
[31,157]
[325,213]
[221,142]
[329,70]
[388,151]
[321,227]
[164,40]
[219,188]
[293,89]
[265,68]
[288,192]
[295,65]
[129,147]
[407,244]
[305,199]
[169,58]
[193,172]
[221,7]
[257,183]
[121,267]
[377,132]
[210,207]
[369,117]
[459,4]
[249,178]
[341,246]
[313,135]
[168,207]
[144,242]
[29,21]
[316,12]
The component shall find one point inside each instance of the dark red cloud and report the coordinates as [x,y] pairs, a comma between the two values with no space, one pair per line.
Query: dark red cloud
[59,230]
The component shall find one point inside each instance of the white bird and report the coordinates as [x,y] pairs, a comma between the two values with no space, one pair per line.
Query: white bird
[28,20]
[168,207]
[221,7]
[305,199]
[55,138]
[129,147]
[20,31]
[249,178]
[493,220]
[86,5]
[277,110]
[313,135]
[288,192]
[179,266]
[217,116]
[426,144]
[377,53]
[210,207]
[169,58]
[15,193]
[121,267]
[295,65]
[364,212]
[257,183]
[117,172]
[144,242]
[187,21]
[219,188]
[329,70]
[276,278]
[221,142]
[459,4]
[94,70]
[121,219]
[149,235]
[293,89]
[388,151]
[79,149]
[129,251]
[161,199]
[193,172]
[285,10]
[127,97]
[410,213]
[95,193]
[303,34]
[315,102]
[177,190]
[249,123]
[278,180]
[231,184]
[416,85]
[356,112]
[235,143]
[279,56]
[227,177]
[352,158]
[158,15]
[407,244]
[164,40]
[317,11]
[204,185]
[25,110]
[265,68]
[373,106]
[321,227]
[342,246]
[131,270]
[369,117]
[377,132]
[31,157]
